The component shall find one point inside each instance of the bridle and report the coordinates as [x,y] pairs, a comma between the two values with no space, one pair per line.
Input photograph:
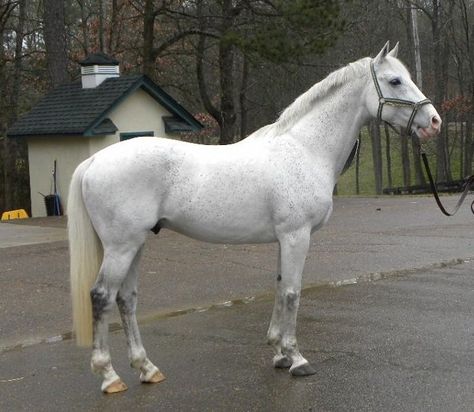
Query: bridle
[390,101]
[416,106]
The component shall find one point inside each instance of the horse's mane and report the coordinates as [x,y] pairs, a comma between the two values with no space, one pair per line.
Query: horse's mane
[306,101]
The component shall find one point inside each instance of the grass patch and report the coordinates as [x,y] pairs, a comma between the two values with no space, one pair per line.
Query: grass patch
[347,182]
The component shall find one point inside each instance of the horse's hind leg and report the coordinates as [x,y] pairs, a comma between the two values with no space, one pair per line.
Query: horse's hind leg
[293,249]
[115,267]
[127,304]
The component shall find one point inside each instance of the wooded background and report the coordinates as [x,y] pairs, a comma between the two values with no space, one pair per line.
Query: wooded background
[236,64]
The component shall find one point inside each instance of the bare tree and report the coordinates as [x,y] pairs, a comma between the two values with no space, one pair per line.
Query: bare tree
[462,36]
[439,13]
[413,18]
[14,151]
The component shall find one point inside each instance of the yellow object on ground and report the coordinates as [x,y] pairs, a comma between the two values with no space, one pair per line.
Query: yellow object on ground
[15,214]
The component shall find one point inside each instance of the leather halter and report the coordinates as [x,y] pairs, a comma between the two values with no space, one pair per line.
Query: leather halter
[395,102]
[416,105]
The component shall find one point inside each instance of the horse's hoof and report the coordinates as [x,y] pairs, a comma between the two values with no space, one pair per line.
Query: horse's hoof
[156,378]
[115,387]
[303,370]
[281,362]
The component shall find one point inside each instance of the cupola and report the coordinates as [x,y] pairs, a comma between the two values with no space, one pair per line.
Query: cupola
[96,68]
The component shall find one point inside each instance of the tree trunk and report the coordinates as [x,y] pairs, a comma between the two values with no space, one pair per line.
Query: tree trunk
[377,156]
[419,176]
[21,196]
[10,150]
[148,37]
[405,159]
[416,46]
[55,41]
[440,64]
[468,145]
[243,98]
[226,68]
[413,17]
[3,140]
[469,137]
[388,155]
[102,27]
[201,79]
[114,30]
[85,34]
[18,63]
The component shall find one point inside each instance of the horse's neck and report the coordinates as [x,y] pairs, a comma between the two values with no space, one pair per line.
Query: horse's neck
[330,128]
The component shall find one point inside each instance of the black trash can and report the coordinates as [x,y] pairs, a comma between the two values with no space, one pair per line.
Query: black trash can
[53,205]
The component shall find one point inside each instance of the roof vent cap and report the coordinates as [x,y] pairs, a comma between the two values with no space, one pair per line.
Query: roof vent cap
[96,68]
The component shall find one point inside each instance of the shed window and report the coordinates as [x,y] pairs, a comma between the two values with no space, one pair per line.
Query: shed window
[131,135]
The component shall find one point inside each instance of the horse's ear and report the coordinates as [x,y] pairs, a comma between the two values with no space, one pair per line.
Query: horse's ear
[385,49]
[394,51]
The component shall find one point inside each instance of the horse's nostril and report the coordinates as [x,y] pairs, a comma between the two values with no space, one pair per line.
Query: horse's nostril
[435,122]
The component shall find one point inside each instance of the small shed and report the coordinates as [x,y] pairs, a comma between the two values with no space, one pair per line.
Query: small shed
[75,120]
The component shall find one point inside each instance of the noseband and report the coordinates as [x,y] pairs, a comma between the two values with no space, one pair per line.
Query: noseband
[395,102]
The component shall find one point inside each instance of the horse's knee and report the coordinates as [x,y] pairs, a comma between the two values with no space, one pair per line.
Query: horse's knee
[291,299]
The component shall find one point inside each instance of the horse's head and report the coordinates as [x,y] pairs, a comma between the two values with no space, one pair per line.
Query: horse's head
[394,97]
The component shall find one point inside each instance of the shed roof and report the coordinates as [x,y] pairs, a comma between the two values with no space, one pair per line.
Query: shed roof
[72,110]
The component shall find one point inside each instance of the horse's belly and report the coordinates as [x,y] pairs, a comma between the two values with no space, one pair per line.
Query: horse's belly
[230,222]
[221,234]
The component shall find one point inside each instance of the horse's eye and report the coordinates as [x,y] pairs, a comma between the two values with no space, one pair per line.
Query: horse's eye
[396,82]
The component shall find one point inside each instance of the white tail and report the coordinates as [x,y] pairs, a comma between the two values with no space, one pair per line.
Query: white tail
[85,250]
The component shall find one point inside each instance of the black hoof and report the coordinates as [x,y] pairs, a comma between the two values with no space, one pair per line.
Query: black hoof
[282,363]
[303,370]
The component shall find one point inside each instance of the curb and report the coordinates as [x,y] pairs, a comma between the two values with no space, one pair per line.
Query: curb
[266,296]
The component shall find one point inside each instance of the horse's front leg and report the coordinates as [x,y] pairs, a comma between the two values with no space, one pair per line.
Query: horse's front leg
[127,304]
[274,331]
[282,333]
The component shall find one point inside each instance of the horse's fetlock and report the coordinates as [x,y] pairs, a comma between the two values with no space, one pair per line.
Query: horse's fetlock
[138,359]
[99,362]
[273,338]
[289,345]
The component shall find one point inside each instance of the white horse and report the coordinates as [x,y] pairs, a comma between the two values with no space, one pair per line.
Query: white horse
[274,186]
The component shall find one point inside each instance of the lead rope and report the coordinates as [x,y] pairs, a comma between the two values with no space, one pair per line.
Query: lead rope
[467,187]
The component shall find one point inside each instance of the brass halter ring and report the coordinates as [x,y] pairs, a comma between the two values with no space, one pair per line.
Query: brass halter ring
[395,102]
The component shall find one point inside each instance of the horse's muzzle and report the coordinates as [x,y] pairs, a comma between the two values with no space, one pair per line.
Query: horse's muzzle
[426,133]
